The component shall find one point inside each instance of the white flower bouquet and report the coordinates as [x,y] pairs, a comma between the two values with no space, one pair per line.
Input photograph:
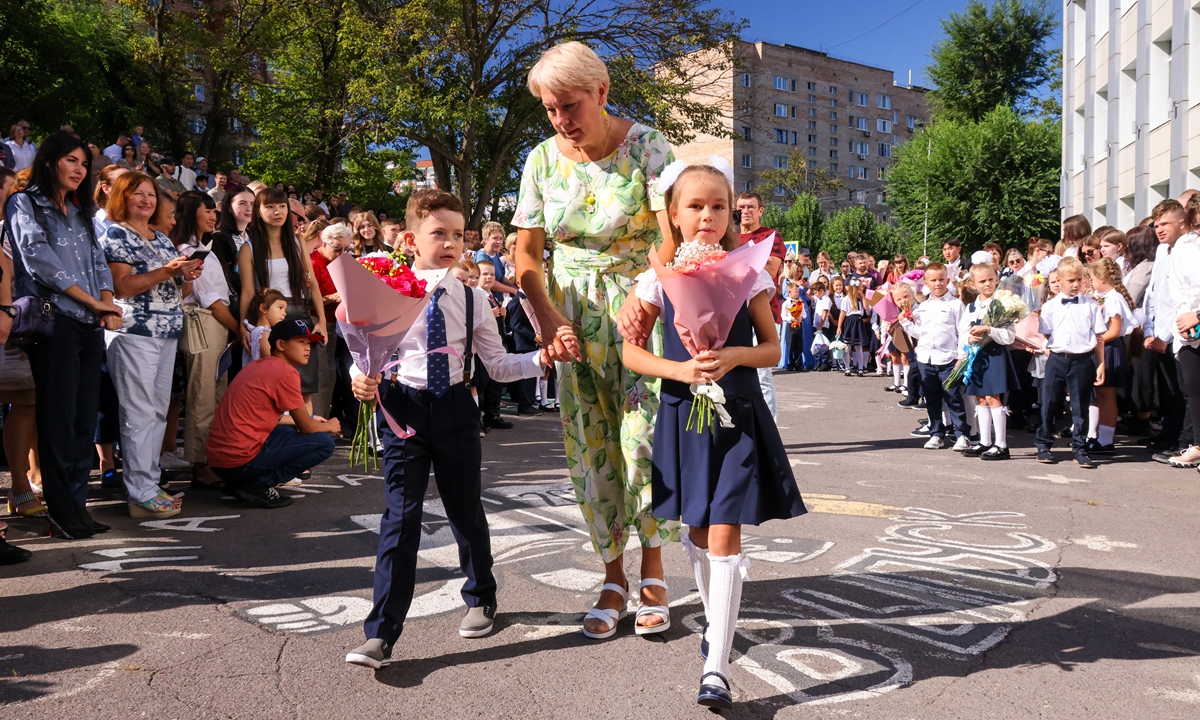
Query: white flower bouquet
[1005,309]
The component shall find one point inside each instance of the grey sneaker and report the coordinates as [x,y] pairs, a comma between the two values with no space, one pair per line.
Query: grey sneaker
[478,621]
[374,653]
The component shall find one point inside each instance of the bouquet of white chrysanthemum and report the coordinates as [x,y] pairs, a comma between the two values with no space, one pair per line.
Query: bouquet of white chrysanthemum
[1005,309]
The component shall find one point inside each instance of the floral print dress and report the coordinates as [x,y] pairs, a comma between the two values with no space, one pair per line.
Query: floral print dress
[601,216]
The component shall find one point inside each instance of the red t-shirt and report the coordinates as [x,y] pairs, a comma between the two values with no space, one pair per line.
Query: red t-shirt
[321,271]
[778,250]
[250,410]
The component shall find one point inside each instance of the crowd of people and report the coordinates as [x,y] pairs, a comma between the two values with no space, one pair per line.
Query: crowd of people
[138,292]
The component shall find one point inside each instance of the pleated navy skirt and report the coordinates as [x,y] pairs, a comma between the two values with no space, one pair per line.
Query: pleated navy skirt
[1114,364]
[856,330]
[990,374]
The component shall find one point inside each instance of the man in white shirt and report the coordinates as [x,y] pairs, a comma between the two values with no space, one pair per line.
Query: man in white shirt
[431,397]
[935,323]
[1175,439]
[184,173]
[114,151]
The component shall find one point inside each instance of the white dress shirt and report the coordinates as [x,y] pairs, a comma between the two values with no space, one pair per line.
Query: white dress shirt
[935,323]
[1072,328]
[113,152]
[211,287]
[187,176]
[823,305]
[1160,311]
[501,365]
[1185,282]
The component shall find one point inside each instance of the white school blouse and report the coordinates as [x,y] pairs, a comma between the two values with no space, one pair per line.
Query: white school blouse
[1071,328]
[1114,305]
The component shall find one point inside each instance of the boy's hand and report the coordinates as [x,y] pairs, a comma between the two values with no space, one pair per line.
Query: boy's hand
[544,358]
[333,427]
[497,311]
[364,387]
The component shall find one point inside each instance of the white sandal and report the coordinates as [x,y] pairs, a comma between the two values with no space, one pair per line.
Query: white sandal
[610,617]
[659,610]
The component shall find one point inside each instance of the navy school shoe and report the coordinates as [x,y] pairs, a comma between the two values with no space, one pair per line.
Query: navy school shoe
[713,695]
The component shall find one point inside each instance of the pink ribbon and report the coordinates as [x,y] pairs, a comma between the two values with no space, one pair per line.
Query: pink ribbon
[407,432]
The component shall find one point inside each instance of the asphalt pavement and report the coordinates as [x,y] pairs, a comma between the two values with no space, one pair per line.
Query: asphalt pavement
[921,584]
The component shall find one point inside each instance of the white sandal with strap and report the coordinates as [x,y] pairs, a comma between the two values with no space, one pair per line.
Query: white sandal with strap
[610,617]
[657,610]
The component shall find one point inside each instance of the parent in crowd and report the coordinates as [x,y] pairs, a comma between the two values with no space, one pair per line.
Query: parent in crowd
[206,310]
[20,148]
[592,187]
[1184,286]
[273,259]
[150,279]
[750,229]
[58,258]
[335,240]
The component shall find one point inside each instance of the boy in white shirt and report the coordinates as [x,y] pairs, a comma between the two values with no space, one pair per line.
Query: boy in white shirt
[821,307]
[1073,324]
[430,396]
[935,323]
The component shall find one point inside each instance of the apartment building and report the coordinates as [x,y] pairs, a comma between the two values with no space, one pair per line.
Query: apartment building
[844,117]
[1131,106]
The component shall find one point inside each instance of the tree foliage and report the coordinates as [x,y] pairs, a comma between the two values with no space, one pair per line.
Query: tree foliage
[798,177]
[801,222]
[855,229]
[993,56]
[990,181]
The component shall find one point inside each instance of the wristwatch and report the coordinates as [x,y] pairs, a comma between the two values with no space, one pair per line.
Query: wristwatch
[9,310]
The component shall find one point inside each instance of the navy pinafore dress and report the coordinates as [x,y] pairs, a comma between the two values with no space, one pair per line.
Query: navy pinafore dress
[739,475]
[992,373]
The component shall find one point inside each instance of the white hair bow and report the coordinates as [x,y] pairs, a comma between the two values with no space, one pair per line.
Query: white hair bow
[981,257]
[672,172]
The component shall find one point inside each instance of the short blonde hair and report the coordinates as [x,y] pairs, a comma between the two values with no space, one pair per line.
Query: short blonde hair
[491,227]
[569,66]
[1069,266]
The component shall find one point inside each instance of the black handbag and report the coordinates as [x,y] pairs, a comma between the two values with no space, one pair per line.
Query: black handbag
[33,321]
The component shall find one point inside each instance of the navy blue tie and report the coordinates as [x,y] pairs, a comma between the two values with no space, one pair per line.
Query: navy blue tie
[1071,300]
[437,365]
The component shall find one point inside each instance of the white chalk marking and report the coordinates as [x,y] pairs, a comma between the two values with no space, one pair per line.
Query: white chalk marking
[1101,543]
[191,524]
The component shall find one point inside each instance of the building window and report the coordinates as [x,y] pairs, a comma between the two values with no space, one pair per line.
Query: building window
[883,173]
[833,114]
[812,112]
[235,125]
[833,154]
[199,93]
[812,98]
[910,122]
[793,86]
[883,126]
[793,111]
[780,190]
[833,102]
[781,110]
[833,168]
[812,124]
[851,172]
[885,150]
[832,142]
[793,137]
[884,102]
[745,79]
[746,135]
[781,162]
[862,123]
[812,86]
[832,128]
[812,151]
[197,125]
[747,185]
[781,83]
[833,89]
[781,136]
[255,63]
[861,99]
[812,138]
[862,173]
[747,161]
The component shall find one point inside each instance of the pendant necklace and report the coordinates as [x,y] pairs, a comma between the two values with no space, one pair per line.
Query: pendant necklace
[590,197]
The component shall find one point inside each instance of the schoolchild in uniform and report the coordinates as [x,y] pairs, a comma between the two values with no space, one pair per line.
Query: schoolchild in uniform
[1118,316]
[1072,323]
[430,396]
[794,312]
[822,307]
[854,327]
[989,375]
[728,476]
[837,293]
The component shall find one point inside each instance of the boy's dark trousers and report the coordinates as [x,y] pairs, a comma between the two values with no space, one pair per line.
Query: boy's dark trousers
[447,436]
[931,378]
[1073,374]
[795,345]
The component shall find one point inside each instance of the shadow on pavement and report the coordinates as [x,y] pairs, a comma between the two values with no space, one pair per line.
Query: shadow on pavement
[42,661]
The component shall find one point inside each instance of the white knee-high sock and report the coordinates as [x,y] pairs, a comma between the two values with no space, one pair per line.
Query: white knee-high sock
[983,415]
[1000,421]
[698,557]
[1093,421]
[725,598]
[860,359]
[904,374]
[895,373]
[543,386]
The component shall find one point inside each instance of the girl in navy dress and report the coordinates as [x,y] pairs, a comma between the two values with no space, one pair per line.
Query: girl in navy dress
[854,327]
[1115,302]
[990,374]
[724,477]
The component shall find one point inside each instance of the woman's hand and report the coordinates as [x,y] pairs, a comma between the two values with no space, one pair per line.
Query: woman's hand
[244,333]
[634,323]
[563,346]
[319,329]
[111,317]
[187,269]
[1185,322]
[332,298]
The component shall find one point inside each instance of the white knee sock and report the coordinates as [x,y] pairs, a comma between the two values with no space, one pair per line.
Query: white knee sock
[860,359]
[698,557]
[904,374]
[725,598]
[983,416]
[1105,435]
[1000,421]
[543,386]
[1093,421]
[895,373]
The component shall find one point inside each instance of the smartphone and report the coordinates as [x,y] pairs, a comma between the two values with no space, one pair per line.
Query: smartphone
[199,255]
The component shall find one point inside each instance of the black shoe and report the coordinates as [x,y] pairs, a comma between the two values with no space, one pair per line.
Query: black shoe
[529,410]
[306,475]
[922,431]
[1165,456]
[68,527]
[859,373]
[1044,456]
[86,519]
[713,695]
[1162,445]
[908,402]
[995,453]
[497,423]
[976,450]
[11,554]
[162,480]
[1083,461]
[1095,448]
[548,408]
[264,498]
[1136,427]
[110,481]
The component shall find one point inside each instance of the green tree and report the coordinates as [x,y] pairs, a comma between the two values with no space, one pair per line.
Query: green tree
[992,56]
[451,76]
[851,229]
[801,222]
[797,177]
[992,181]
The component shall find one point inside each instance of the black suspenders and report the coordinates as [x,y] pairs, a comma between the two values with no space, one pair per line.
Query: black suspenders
[469,355]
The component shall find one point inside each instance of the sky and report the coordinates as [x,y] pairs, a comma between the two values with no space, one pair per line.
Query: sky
[845,29]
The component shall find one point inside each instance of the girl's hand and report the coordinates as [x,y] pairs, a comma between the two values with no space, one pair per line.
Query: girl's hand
[689,372]
[319,329]
[713,365]
[1099,375]
[978,332]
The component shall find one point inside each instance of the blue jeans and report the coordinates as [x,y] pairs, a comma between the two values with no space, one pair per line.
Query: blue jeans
[284,455]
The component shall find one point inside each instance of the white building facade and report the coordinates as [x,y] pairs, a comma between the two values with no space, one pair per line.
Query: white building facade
[1131,106]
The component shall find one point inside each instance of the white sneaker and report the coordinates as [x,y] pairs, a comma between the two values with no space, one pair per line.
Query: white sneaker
[171,461]
[962,444]
[935,443]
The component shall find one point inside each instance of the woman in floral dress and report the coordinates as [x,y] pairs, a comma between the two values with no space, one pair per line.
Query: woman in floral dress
[591,188]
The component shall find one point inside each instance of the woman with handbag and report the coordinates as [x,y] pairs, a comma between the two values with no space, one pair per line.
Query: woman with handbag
[207,323]
[150,280]
[64,288]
